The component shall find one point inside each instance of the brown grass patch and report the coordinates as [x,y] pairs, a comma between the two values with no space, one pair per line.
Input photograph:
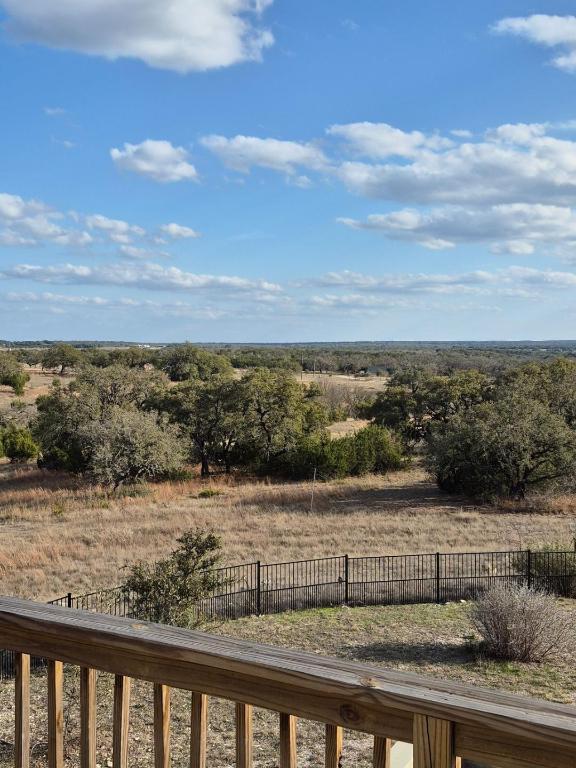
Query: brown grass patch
[59,535]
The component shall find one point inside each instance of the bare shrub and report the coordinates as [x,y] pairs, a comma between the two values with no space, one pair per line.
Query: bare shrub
[521,624]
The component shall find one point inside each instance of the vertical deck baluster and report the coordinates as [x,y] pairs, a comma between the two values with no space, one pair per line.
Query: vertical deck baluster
[161,726]
[22,706]
[287,741]
[381,755]
[198,722]
[433,743]
[243,736]
[87,718]
[333,752]
[122,687]
[55,715]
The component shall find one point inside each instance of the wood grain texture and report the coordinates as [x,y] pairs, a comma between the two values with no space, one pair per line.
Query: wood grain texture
[87,718]
[333,747]
[22,711]
[55,715]
[244,736]
[381,754]
[198,728]
[161,726]
[121,722]
[433,743]
[489,726]
[288,751]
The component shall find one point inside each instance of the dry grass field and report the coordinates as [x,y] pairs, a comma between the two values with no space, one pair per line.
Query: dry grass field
[429,639]
[59,535]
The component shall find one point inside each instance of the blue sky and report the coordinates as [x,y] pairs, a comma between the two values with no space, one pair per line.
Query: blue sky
[258,170]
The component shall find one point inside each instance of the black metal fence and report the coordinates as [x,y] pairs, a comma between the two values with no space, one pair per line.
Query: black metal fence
[258,588]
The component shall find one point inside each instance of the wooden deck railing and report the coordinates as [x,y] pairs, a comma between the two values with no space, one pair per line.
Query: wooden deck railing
[444,721]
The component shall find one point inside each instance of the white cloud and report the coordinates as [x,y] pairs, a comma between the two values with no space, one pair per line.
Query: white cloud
[179,35]
[548,31]
[515,228]
[117,230]
[31,222]
[28,300]
[178,231]
[380,140]
[241,153]
[149,276]
[141,254]
[54,111]
[519,282]
[510,164]
[156,159]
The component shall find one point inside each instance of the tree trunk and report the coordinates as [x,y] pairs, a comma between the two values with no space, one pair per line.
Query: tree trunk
[205,468]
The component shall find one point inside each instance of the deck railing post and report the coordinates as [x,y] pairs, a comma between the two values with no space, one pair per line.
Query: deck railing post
[69,599]
[437,577]
[258,589]
[529,568]
[346,579]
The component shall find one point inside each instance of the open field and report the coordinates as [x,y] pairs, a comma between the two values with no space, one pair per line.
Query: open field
[59,535]
[428,639]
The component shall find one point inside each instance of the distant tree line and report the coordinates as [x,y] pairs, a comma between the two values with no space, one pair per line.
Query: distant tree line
[137,413]
[354,359]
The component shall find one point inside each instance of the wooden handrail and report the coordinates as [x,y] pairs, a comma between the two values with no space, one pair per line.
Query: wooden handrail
[442,719]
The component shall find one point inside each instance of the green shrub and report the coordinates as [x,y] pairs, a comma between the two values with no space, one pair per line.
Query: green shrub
[19,445]
[208,493]
[372,449]
[168,590]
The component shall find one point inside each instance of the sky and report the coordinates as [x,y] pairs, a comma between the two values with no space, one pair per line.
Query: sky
[287,170]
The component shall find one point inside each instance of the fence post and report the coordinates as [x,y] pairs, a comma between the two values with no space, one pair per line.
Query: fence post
[437,577]
[69,599]
[258,590]
[346,579]
[529,567]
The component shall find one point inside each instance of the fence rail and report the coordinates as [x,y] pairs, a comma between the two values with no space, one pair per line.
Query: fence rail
[266,588]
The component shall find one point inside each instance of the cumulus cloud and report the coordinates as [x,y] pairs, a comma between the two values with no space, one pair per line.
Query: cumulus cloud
[515,228]
[148,275]
[31,222]
[178,231]
[241,153]
[548,31]
[157,159]
[117,230]
[381,140]
[510,164]
[179,35]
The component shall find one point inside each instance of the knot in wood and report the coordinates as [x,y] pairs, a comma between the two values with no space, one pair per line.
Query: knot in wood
[349,714]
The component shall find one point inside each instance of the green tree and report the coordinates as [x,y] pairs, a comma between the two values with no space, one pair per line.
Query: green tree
[12,373]
[130,446]
[168,591]
[189,362]
[62,356]
[212,417]
[279,412]
[415,400]
[501,449]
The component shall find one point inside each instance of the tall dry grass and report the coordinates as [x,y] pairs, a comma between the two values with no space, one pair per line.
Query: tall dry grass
[59,535]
